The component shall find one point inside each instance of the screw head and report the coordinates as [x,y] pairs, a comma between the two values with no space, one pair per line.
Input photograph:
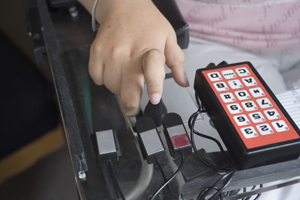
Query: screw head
[81,174]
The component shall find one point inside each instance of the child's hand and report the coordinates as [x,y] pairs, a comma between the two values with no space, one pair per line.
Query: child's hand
[132,45]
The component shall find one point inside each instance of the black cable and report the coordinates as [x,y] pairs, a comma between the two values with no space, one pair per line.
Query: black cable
[206,191]
[226,178]
[200,106]
[171,178]
[212,124]
[115,181]
[164,176]
[191,123]
[235,192]
[231,193]
[197,101]
[219,190]
[201,110]
[257,196]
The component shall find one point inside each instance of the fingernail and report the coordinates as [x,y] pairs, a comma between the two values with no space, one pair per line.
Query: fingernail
[155,98]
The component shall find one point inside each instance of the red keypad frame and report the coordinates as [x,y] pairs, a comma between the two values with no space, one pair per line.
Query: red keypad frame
[253,112]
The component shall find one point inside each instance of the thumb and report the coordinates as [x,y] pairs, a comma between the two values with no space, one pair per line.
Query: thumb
[175,61]
[154,74]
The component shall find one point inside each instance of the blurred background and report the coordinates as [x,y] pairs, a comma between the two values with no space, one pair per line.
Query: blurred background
[34,158]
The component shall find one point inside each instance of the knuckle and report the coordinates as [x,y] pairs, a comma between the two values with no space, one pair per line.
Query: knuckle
[96,47]
[181,62]
[155,76]
[119,51]
[180,54]
[172,35]
[181,57]
[130,103]
[156,79]
[155,54]
[176,61]
[130,106]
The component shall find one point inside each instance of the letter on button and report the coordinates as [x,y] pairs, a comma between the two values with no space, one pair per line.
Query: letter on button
[214,76]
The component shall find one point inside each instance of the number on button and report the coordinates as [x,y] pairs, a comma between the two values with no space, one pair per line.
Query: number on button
[264,103]
[265,129]
[249,132]
[242,95]
[249,105]
[272,114]
[241,120]
[257,117]
[234,108]
[280,126]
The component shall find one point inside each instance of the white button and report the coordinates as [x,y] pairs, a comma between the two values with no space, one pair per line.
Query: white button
[249,105]
[242,71]
[228,97]
[280,126]
[235,84]
[234,108]
[264,129]
[272,114]
[228,74]
[241,120]
[264,103]
[249,81]
[257,117]
[257,92]
[242,95]
[249,132]
[221,86]
[214,76]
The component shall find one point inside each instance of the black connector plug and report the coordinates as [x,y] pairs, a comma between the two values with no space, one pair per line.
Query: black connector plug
[176,135]
[149,140]
[156,112]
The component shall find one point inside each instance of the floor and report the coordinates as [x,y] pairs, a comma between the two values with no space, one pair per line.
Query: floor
[51,178]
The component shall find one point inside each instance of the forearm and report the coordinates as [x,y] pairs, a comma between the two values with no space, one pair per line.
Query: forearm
[118,6]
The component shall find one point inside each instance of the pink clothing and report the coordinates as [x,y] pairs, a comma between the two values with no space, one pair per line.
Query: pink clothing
[254,25]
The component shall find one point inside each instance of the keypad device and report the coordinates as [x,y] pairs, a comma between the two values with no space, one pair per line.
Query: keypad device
[238,100]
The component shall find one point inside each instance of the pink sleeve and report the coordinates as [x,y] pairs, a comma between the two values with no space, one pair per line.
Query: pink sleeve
[252,25]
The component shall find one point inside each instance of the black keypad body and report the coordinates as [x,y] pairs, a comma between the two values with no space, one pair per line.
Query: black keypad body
[251,121]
